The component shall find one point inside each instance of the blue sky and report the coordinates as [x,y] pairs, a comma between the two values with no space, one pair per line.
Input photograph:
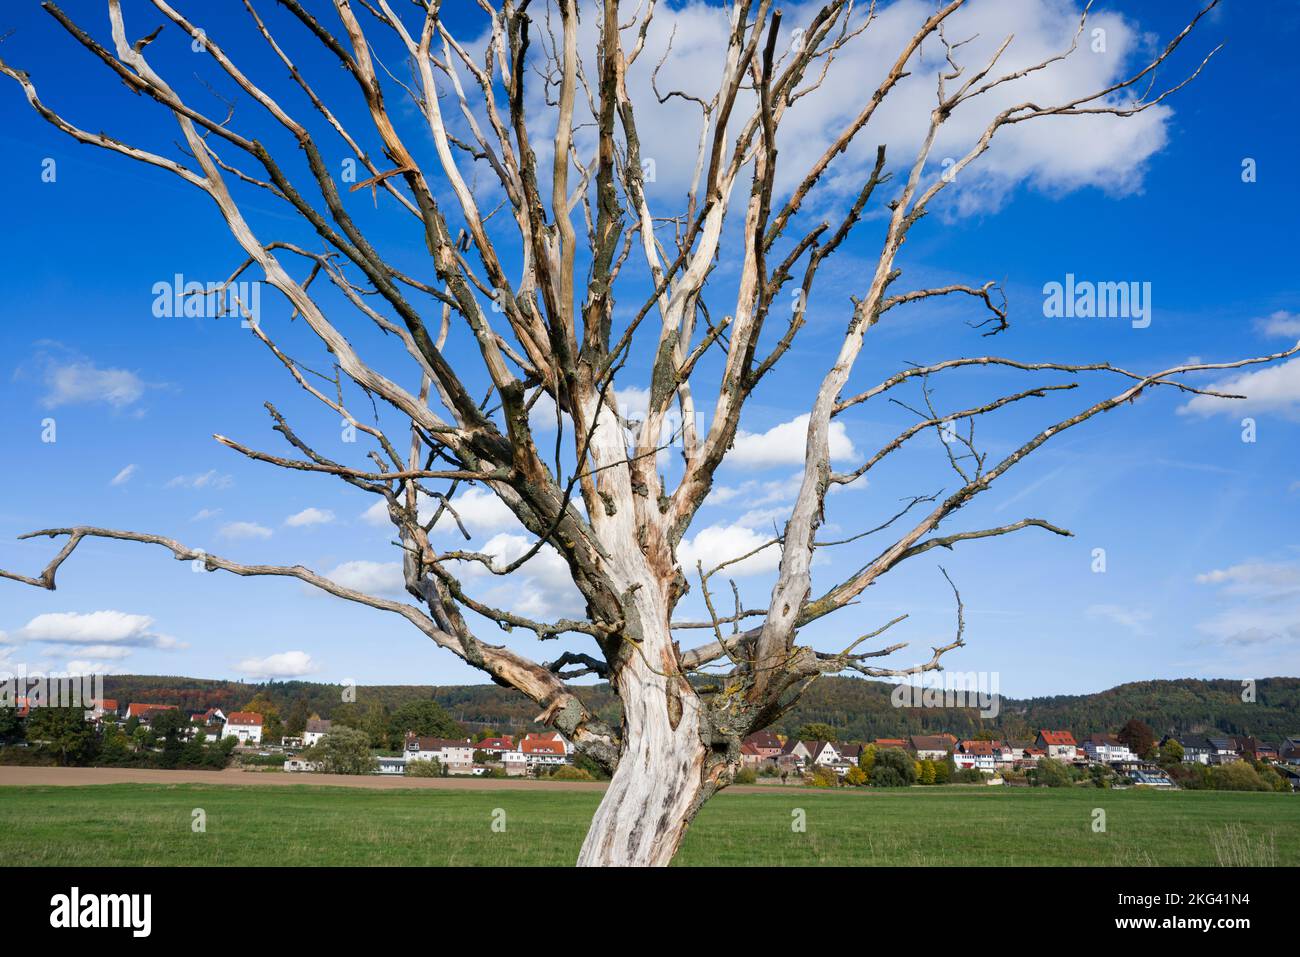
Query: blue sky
[1202,573]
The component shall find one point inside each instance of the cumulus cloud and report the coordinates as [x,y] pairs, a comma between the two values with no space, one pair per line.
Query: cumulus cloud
[285,664]
[124,476]
[237,531]
[310,516]
[1280,323]
[81,667]
[541,588]
[375,578]
[1272,389]
[479,508]
[205,513]
[1052,155]
[212,479]
[719,543]
[785,444]
[104,635]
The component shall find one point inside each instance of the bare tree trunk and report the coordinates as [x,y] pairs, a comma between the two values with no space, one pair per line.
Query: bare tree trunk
[661,779]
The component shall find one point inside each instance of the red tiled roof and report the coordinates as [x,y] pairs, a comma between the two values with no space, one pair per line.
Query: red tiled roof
[109,704]
[1059,738]
[890,743]
[503,743]
[244,717]
[134,710]
[977,747]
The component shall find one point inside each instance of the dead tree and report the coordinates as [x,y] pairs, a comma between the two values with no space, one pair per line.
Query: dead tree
[544,326]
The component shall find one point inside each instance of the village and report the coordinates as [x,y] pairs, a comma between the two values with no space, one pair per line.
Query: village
[769,757]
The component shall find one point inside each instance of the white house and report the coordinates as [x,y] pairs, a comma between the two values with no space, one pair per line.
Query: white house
[1105,748]
[299,764]
[825,753]
[455,755]
[546,749]
[1059,745]
[980,755]
[515,762]
[244,725]
[315,730]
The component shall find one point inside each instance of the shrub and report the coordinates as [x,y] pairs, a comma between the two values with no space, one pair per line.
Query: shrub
[856,777]
[424,769]
[1052,774]
[893,769]
[566,772]
[823,777]
[745,776]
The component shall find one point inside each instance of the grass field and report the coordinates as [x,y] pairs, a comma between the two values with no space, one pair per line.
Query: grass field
[134,824]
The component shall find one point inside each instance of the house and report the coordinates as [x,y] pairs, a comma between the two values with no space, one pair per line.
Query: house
[794,753]
[1195,750]
[1058,745]
[980,755]
[882,743]
[1106,748]
[932,747]
[767,744]
[515,763]
[496,746]
[545,749]
[1032,757]
[749,755]
[823,752]
[455,755]
[553,738]
[101,708]
[300,764]
[1290,750]
[244,725]
[315,729]
[1223,750]
[1256,749]
[1290,774]
[390,765]
[142,712]
[849,753]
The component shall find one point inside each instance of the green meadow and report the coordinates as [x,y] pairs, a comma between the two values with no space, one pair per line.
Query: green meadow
[138,824]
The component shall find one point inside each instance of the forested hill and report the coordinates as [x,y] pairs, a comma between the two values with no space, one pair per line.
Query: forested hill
[857,709]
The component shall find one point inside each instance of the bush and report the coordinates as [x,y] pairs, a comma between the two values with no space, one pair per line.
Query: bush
[424,769]
[856,777]
[1237,776]
[343,751]
[823,777]
[745,776]
[1052,774]
[893,769]
[567,772]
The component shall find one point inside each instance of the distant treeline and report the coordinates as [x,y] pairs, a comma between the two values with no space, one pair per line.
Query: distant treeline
[857,709]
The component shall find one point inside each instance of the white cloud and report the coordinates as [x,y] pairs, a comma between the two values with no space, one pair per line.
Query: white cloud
[89,628]
[785,444]
[719,543]
[97,634]
[1133,619]
[210,479]
[310,516]
[244,530]
[1280,323]
[285,664]
[1054,155]
[479,508]
[1263,579]
[1272,389]
[124,476]
[755,493]
[205,513]
[541,588]
[1272,614]
[372,577]
[82,381]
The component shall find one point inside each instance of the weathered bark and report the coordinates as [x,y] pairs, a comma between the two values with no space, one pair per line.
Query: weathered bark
[660,781]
